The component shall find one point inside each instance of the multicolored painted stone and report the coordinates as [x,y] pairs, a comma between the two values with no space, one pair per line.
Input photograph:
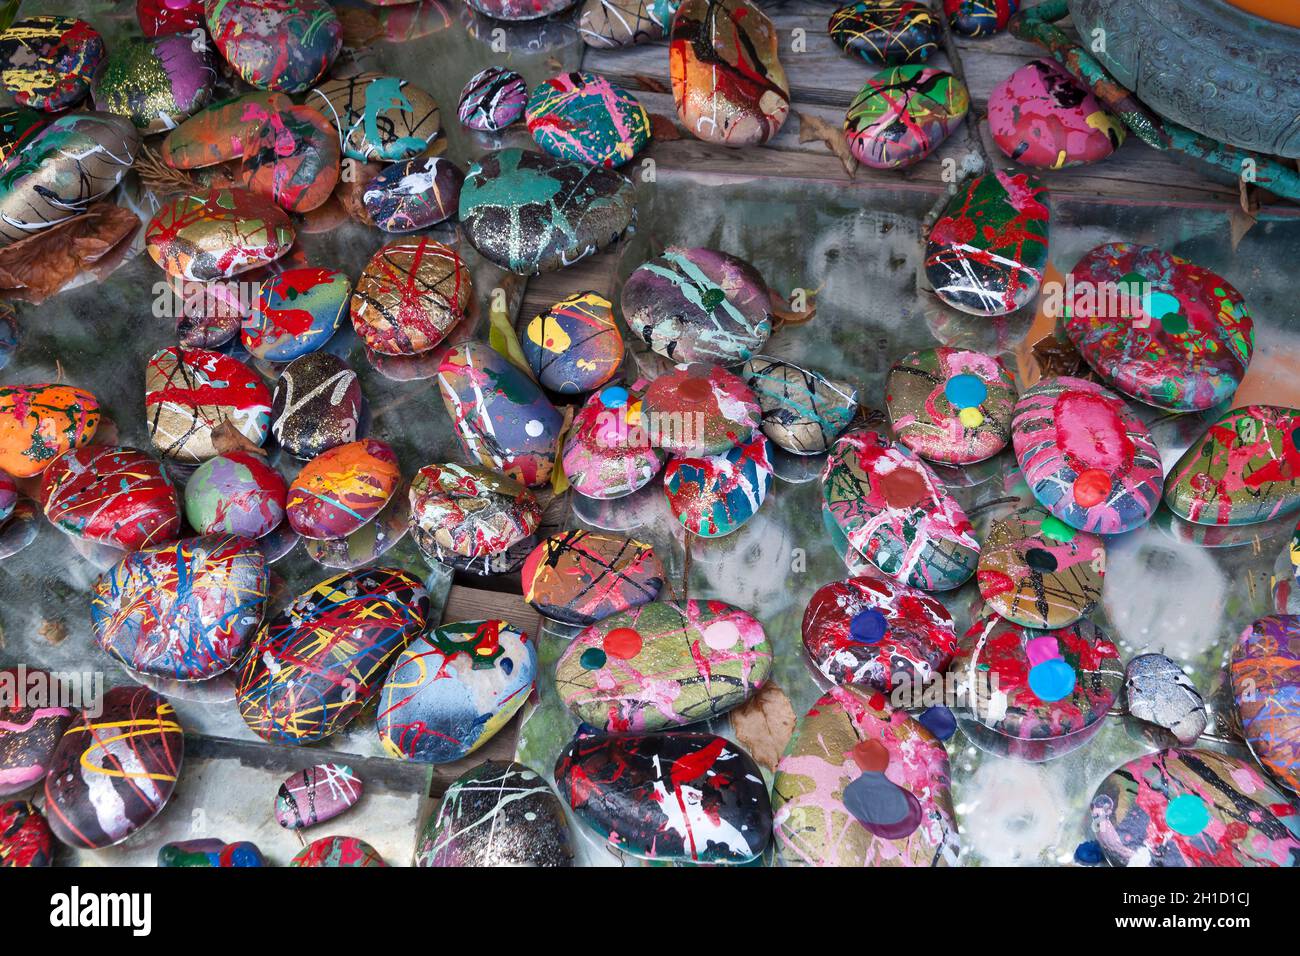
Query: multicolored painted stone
[861,784]
[1286,577]
[222,132]
[19,125]
[338,851]
[662,665]
[803,411]
[20,529]
[951,405]
[297,312]
[728,81]
[492,99]
[1042,117]
[1157,691]
[284,45]
[411,293]
[217,234]
[574,346]
[342,488]
[714,495]
[293,160]
[236,493]
[47,62]
[316,405]
[581,577]
[1265,671]
[894,510]
[379,118]
[607,453]
[188,393]
[1086,457]
[316,794]
[885,31]
[1037,571]
[316,663]
[621,23]
[902,114]
[1158,327]
[987,252]
[699,409]
[114,772]
[468,511]
[1194,808]
[32,721]
[679,797]
[40,422]
[877,634]
[512,10]
[8,496]
[161,17]
[1052,691]
[500,813]
[529,212]
[979,18]
[368,543]
[414,194]
[210,853]
[155,82]
[501,417]
[114,495]
[583,116]
[25,838]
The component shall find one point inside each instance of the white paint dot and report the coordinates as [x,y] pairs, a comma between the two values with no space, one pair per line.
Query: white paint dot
[533,428]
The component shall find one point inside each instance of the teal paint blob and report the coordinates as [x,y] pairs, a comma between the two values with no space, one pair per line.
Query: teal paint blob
[1051,680]
[965,391]
[592,659]
[1186,814]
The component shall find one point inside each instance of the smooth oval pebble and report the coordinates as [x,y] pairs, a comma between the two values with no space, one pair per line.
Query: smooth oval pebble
[1286,577]
[1042,117]
[449,692]
[492,99]
[284,45]
[1159,692]
[379,118]
[112,773]
[235,493]
[20,529]
[714,495]
[217,234]
[414,194]
[699,409]
[161,17]
[368,543]
[210,853]
[951,405]
[342,488]
[32,720]
[155,82]
[316,405]
[575,345]
[979,18]
[293,160]
[114,495]
[662,665]
[607,452]
[223,132]
[25,838]
[885,31]
[679,797]
[316,794]
[622,23]
[1086,457]
[338,851]
[297,312]
[185,611]
[1187,807]
[863,785]
[585,117]
[987,252]
[47,62]
[40,422]
[581,577]
[894,510]
[803,411]
[903,114]
[1265,673]
[468,512]
[190,393]
[411,293]
[499,813]
[315,664]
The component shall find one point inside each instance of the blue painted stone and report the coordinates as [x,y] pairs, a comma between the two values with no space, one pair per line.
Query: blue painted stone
[210,853]
[714,495]
[297,312]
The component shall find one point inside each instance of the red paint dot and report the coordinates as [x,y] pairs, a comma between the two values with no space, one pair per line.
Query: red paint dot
[871,755]
[1091,487]
[695,389]
[623,643]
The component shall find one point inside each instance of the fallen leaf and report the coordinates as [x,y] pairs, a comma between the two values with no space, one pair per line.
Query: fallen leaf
[37,267]
[354,177]
[663,128]
[651,84]
[778,306]
[227,438]
[360,28]
[1245,214]
[764,724]
[813,128]
[54,632]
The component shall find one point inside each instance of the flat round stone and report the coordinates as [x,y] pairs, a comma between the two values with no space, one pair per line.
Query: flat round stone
[1265,672]
[29,729]
[492,99]
[113,495]
[951,405]
[284,45]
[979,18]
[235,493]
[460,510]
[1041,116]
[411,293]
[190,393]
[885,31]
[316,794]
[40,422]
[156,83]
[379,118]
[343,488]
[581,577]
[699,409]
[606,24]
[575,345]
[607,452]
[714,495]
[902,114]
[316,405]
[414,194]
[803,411]
[217,234]
[338,851]
[297,312]
[583,116]
[47,62]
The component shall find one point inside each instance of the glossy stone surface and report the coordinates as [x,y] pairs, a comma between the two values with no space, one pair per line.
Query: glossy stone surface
[316,405]
[575,345]
[411,293]
[581,577]
[156,83]
[210,853]
[338,851]
[951,405]
[378,118]
[217,234]
[714,495]
[1041,116]
[114,495]
[492,99]
[284,45]
[607,451]
[1265,672]
[316,794]
[40,422]
[189,393]
[459,510]
[235,493]
[902,114]
[343,488]
[979,18]
[803,411]
[1157,691]
[699,409]
[47,62]
[32,720]
[584,117]
[885,31]
[621,23]
[297,312]
[24,835]
[414,194]
[161,17]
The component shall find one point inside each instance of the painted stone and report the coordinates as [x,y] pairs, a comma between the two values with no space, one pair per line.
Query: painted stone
[583,116]
[574,346]
[500,813]
[161,17]
[678,797]
[902,114]
[607,453]
[40,422]
[32,721]
[496,562]
[210,853]
[19,126]
[1036,570]
[217,234]
[951,405]
[24,835]
[185,611]
[1178,337]
[581,577]
[861,784]
[1042,117]
[414,194]
[1054,688]
[297,312]
[894,510]
[368,543]
[113,773]
[1157,691]
[411,293]
[222,132]
[529,212]
[699,409]
[236,493]
[877,634]
[378,118]
[47,62]
[803,411]
[341,851]
[714,495]
[987,252]
[468,511]
[662,665]
[1286,577]
[316,405]
[621,23]
[728,82]
[979,18]
[62,167]
[8,496]
[512,10]
[449,692]
[190,392]
[1086,457]
[316,794]
[698,305]
[316,663]
[500,416]
[211,314]
[492,99]
[284,45]
[113,495]
[1186,807]
[1265,671]
[155,83]
[20,529]
[885,31]
[343,488]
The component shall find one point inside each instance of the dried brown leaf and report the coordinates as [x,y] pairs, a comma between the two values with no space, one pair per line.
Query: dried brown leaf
[39,266]
[663,128]
[354,177]
[764,725]
[813,128]
[54,632]
[651,84]
[227,438]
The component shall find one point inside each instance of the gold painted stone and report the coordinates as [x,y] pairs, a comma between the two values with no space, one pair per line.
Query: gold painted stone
[217,234]
[409,296]
[379,118]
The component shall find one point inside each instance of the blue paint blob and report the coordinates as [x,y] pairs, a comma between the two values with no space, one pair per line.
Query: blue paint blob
[965,391]
[614,397]
[1186,814]
[882,806]
[1051,680]
[868,626]
[1088,853]
[939,721]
